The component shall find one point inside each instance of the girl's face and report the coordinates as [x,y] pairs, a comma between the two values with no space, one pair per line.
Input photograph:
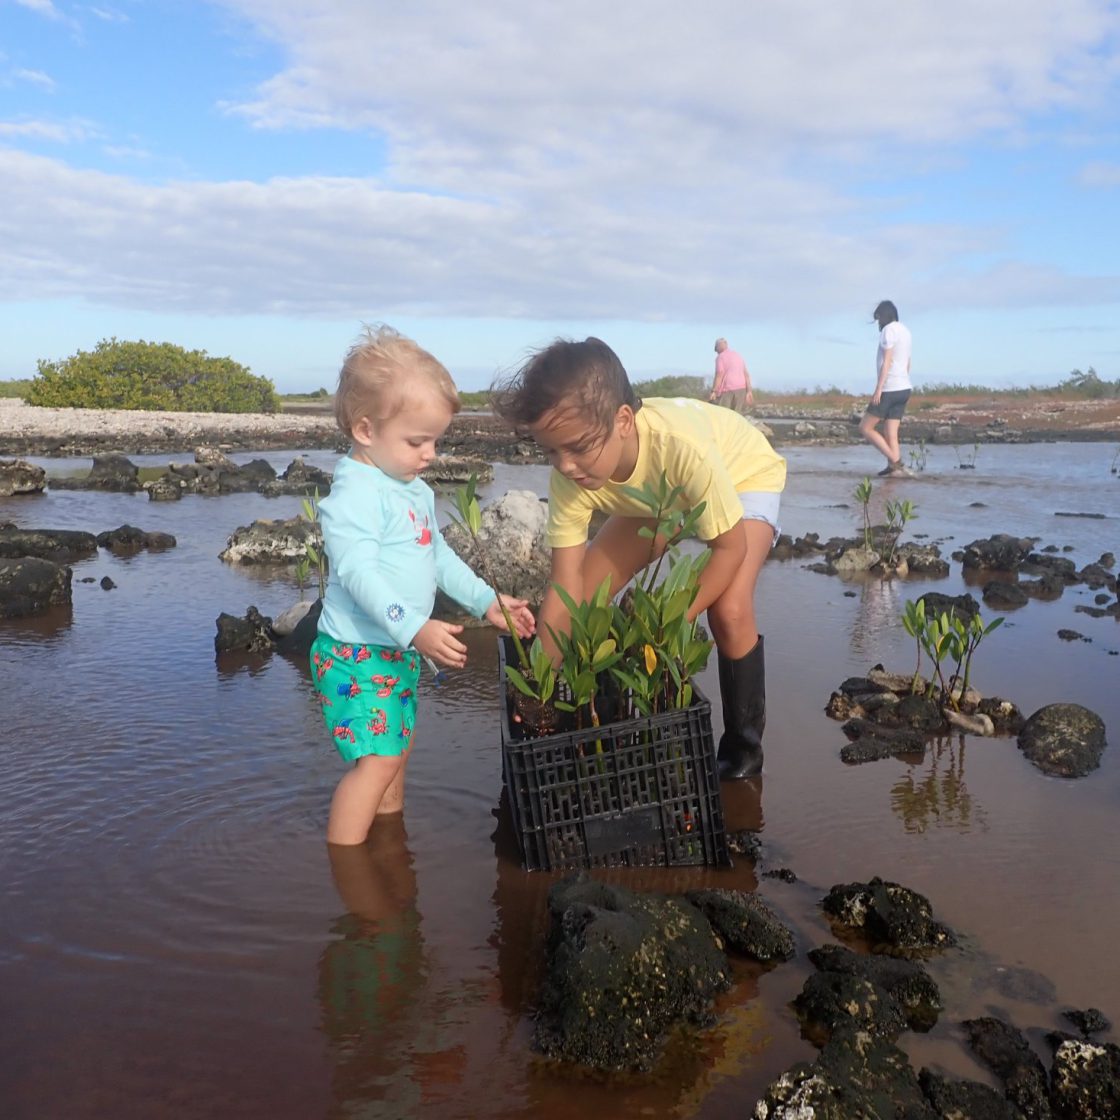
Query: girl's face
[586,457]
[405,444]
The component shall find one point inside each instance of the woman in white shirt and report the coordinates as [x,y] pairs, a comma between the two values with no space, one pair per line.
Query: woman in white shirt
[892,388]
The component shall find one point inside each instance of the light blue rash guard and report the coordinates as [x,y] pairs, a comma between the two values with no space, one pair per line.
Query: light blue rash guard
[387,557]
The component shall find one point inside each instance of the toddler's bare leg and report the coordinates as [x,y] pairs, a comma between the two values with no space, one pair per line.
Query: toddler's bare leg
[392,801]
[358,795]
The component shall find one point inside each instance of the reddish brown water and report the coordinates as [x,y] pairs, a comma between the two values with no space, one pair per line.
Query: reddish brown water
[176,942]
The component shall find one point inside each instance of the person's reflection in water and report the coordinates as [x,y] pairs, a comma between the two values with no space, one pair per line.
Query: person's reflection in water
[742,805]
[372,976]
[880,609]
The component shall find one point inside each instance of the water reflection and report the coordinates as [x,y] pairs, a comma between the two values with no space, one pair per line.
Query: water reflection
[372,975]
[938,796]
[880,609]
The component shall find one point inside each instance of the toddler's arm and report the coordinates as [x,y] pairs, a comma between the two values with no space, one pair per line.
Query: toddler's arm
[519,612]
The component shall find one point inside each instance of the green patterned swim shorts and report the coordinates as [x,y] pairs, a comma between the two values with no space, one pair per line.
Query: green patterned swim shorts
[368,694]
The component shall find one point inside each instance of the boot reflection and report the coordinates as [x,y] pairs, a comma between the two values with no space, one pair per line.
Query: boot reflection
[742,804]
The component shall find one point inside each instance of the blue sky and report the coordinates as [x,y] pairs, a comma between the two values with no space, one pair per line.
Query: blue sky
[258,178]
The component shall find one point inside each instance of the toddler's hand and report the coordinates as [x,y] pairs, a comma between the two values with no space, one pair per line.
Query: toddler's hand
[523,620]
[437,640]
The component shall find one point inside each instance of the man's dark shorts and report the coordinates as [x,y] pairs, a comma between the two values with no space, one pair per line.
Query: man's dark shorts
[891,405]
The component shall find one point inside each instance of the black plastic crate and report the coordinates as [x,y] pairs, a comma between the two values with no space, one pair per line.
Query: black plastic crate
[632,793]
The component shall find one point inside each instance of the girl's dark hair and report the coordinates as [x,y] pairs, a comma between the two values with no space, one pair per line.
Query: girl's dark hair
[585,377]
[885,313]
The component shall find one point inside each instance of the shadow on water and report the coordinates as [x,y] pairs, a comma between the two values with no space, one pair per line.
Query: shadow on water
[176,934]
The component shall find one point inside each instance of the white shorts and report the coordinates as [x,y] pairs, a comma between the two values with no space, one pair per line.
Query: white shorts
[760,506]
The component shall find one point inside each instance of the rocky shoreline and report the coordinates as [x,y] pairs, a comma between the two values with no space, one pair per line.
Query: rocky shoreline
[66,432]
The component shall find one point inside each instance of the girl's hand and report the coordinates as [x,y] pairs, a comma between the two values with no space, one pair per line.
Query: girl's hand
[437,640]
[523,620]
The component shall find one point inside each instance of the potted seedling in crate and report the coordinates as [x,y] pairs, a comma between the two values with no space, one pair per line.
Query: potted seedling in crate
[534,676]
[629,778]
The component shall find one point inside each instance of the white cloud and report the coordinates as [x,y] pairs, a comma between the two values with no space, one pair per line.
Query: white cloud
[635,160]
[61,132]
[35,78]
[1100,174]
[43,7]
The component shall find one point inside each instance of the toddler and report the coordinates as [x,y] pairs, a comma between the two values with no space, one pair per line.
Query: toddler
[387,557]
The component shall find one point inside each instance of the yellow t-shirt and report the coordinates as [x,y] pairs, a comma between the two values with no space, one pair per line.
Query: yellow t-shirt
[714,453]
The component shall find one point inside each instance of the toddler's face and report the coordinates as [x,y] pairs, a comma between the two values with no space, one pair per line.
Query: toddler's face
[405,444]
[579,453]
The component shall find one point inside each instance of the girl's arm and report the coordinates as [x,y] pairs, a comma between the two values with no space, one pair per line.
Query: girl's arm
[888,357]
[728,551]
[567,571]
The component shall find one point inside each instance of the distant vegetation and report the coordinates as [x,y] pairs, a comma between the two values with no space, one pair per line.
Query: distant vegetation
[15,389]
[151,376]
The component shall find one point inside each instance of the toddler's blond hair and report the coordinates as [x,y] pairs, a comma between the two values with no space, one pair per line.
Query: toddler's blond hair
[379,374]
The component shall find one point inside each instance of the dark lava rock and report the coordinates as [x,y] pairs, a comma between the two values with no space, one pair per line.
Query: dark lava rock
[1059,567]
[251,634]
[1006,1052]
[113,473]
[1001,596]
[30,585]
[247,477]
[830,1000]
[623,969]
[964,1100]
[1000,552]
[924,560]
[1065,740]
[1071,636]
[127,538]
[906,982]
[47,544]
[1048,587]
[786,874]
[1096,577]
[1090,1021]
[1005,716]
[895,919]
[1107,560]
[857,1076]
[745,923]
[1085,1080]
[963,606]
[871,742]
[107,584]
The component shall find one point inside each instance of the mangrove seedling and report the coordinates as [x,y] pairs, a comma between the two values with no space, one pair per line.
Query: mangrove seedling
[587,649]
[315,556]
[898,514]
[863,496]
[918,456]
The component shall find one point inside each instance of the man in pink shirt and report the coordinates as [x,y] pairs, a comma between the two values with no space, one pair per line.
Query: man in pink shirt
[732,385]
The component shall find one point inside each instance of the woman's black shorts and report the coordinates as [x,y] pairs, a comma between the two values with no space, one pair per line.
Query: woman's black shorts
[891,404]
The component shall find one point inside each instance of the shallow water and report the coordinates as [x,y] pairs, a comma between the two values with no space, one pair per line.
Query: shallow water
[175,941]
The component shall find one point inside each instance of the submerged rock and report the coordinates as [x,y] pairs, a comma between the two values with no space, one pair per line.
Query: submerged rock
[745,924]
[1006,1052]
[127,538]
[623,969]
[30,585]
[895,919]
[1065,740]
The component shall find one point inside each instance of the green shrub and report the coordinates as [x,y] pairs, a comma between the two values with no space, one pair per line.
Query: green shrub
[150,375]
[681,385]
[15,389]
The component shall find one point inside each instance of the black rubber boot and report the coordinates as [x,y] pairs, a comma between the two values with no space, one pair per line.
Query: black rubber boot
[742,687]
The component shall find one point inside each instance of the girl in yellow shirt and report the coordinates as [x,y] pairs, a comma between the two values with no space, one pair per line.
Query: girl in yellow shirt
[577,402]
